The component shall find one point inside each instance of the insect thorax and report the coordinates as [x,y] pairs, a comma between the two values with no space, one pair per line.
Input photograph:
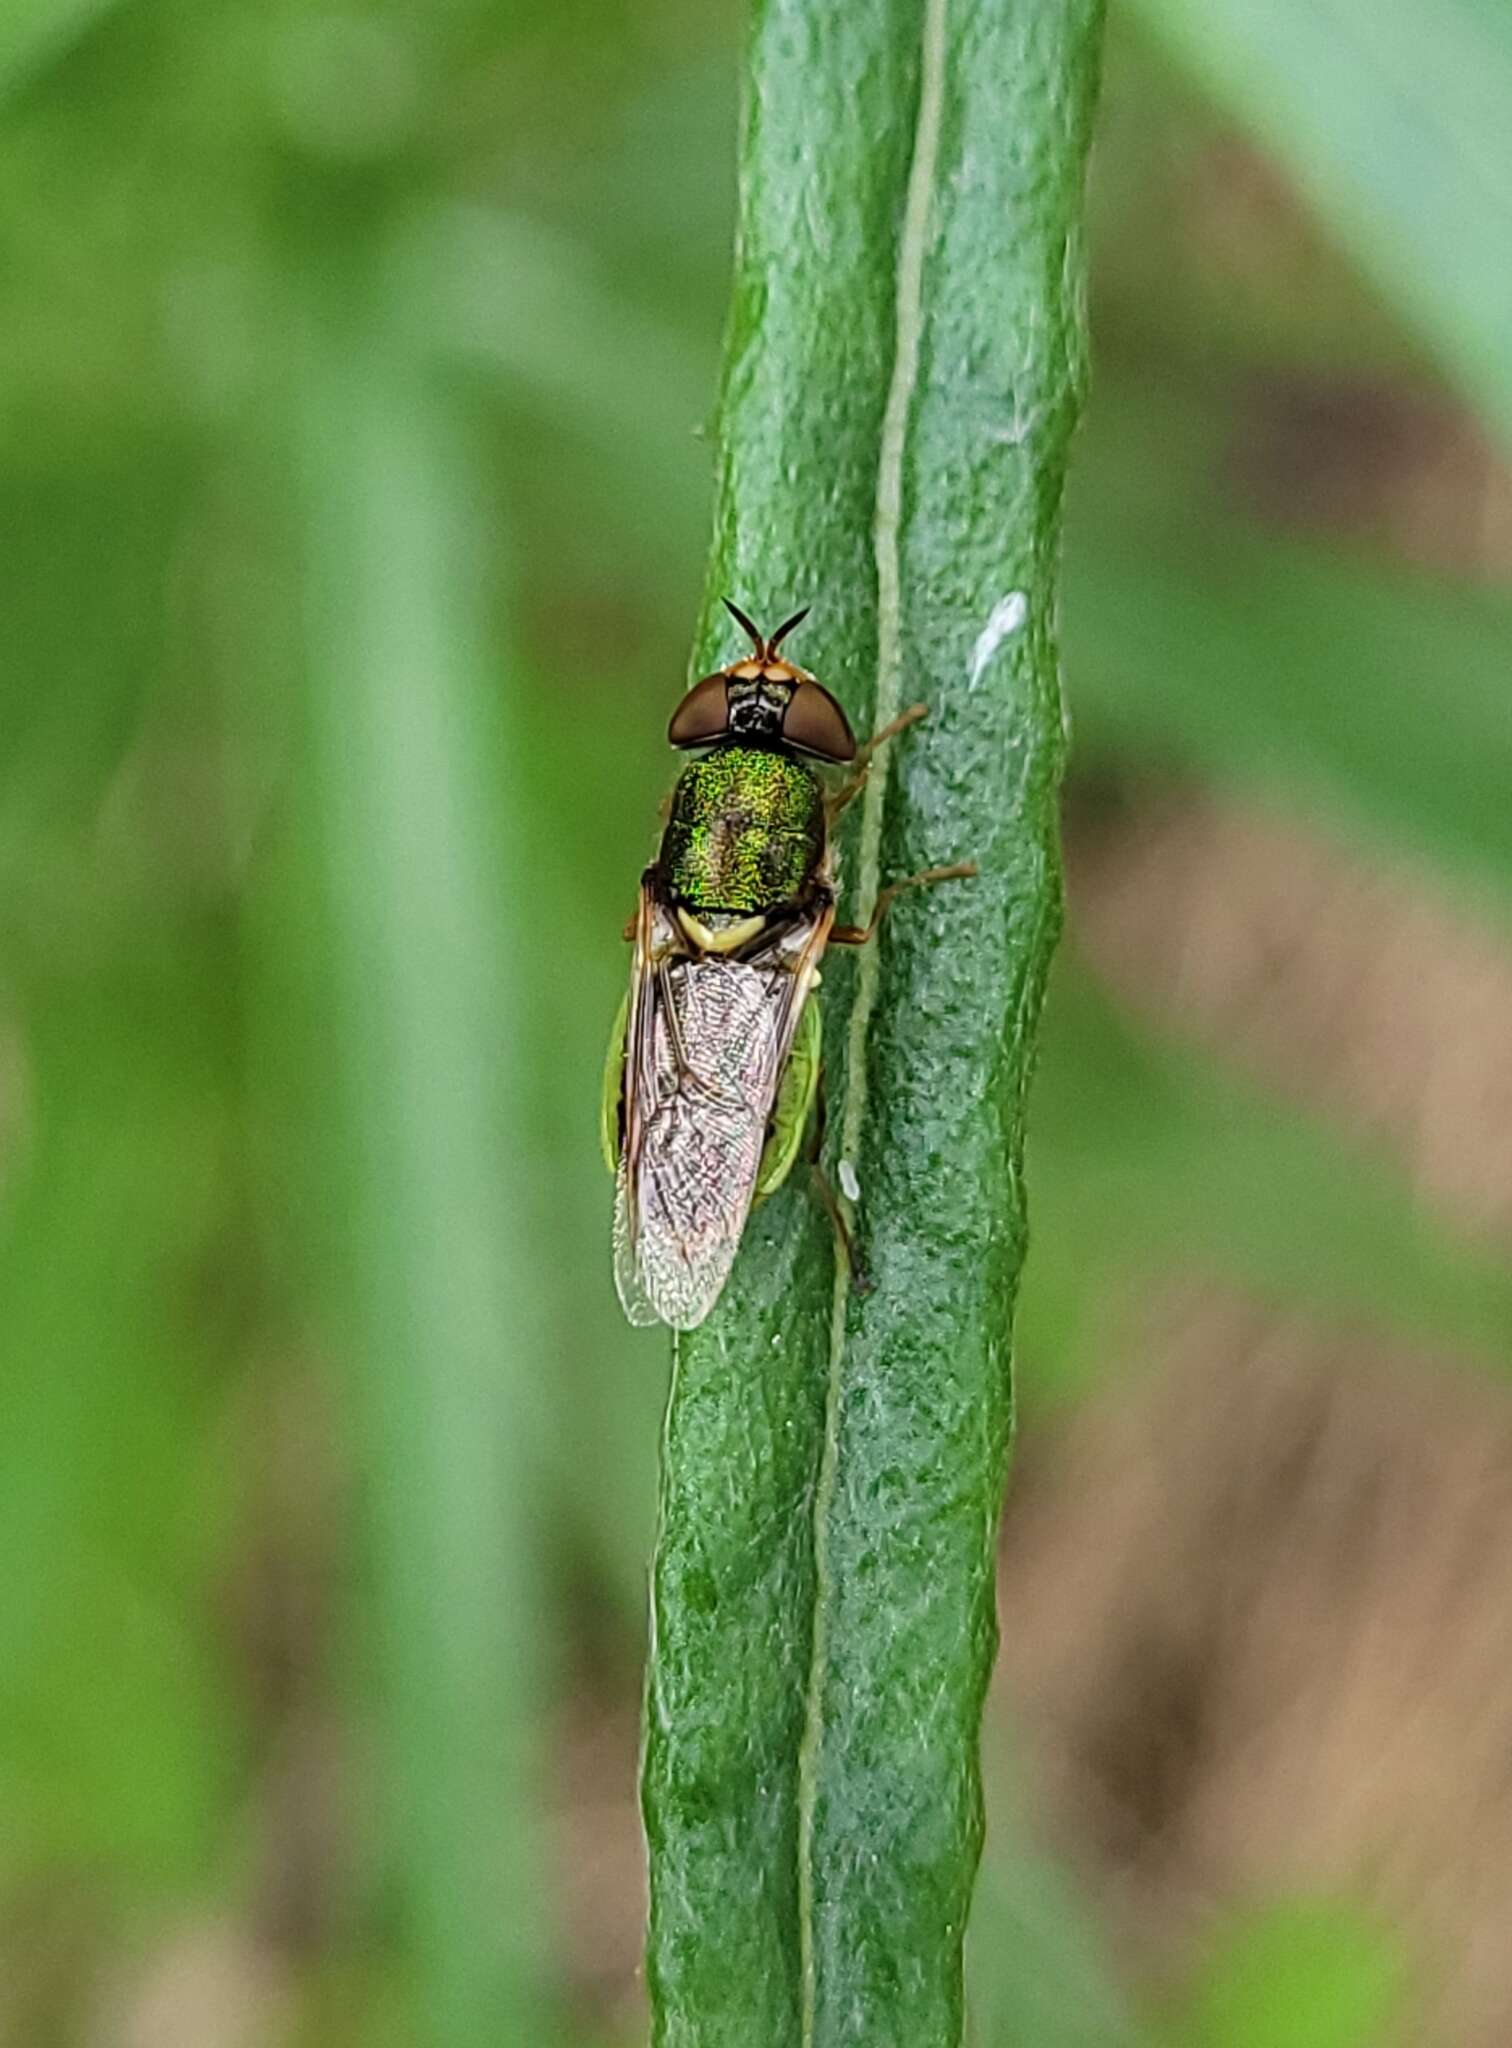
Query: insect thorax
[745,832]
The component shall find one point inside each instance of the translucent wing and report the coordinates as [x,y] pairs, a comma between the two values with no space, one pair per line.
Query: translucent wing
[705,1047]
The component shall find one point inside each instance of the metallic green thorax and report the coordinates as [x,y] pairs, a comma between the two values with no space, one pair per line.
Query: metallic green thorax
[746,831]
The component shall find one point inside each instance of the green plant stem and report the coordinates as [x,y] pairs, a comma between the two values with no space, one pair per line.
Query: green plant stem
[407,775]
[904,368]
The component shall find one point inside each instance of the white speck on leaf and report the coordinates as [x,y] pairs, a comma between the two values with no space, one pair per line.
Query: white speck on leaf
[1019,428]
[1004,620]
[850,1187]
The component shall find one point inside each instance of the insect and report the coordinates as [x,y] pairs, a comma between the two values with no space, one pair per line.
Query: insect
[714,1062]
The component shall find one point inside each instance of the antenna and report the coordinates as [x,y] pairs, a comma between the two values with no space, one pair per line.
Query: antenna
[786,627]
[741,620]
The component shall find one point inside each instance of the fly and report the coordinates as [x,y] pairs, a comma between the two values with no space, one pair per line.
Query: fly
[713,1066]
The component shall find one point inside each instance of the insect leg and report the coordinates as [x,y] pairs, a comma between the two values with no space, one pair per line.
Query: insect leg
[845,1242]
[855,782]
[858,934]
[638,924]
[861,1280]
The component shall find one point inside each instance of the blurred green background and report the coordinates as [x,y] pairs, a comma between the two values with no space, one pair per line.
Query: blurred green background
[354,368]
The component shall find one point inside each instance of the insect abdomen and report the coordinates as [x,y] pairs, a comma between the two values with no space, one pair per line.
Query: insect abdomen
[746,831]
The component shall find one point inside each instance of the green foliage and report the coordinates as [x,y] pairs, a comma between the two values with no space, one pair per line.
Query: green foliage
[1275,669]
[1036,1969]
[1296,1975]
[1142,1160]
[35,33]
[1392,121]
[833,1462]
[406,779]
[351,490]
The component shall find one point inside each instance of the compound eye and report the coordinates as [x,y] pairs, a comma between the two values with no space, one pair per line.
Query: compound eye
[703,715]
[816,723]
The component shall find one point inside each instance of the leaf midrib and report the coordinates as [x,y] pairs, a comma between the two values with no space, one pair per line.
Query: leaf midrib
[887,526]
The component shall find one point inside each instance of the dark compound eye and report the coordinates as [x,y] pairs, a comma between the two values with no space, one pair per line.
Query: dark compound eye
[703,715]
[816,723]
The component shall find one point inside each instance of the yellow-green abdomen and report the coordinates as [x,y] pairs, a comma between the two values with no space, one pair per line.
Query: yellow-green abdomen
[745,833]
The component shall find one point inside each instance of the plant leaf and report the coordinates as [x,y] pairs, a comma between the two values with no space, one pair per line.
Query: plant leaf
[36,33]
[1037,1967]
[903,370]
[1148,1159]
[419,1015]
[1298,1973]
[1265,663]
[1393,121]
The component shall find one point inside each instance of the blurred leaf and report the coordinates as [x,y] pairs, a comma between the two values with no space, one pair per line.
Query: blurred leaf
[424,998]
[1146,1158]
[1378,697]
[1393,121]
[87,637]
[1036,1972]
[1299,1975]
[1199,262]
[531,307]
[35,33]
[522,304]
[116,1735]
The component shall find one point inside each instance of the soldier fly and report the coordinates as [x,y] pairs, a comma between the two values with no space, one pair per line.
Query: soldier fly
[714,1062]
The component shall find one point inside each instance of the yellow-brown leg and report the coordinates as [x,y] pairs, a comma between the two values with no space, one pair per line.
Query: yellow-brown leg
[844,1238]
[861,1280]
[858,934]
[855,782]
